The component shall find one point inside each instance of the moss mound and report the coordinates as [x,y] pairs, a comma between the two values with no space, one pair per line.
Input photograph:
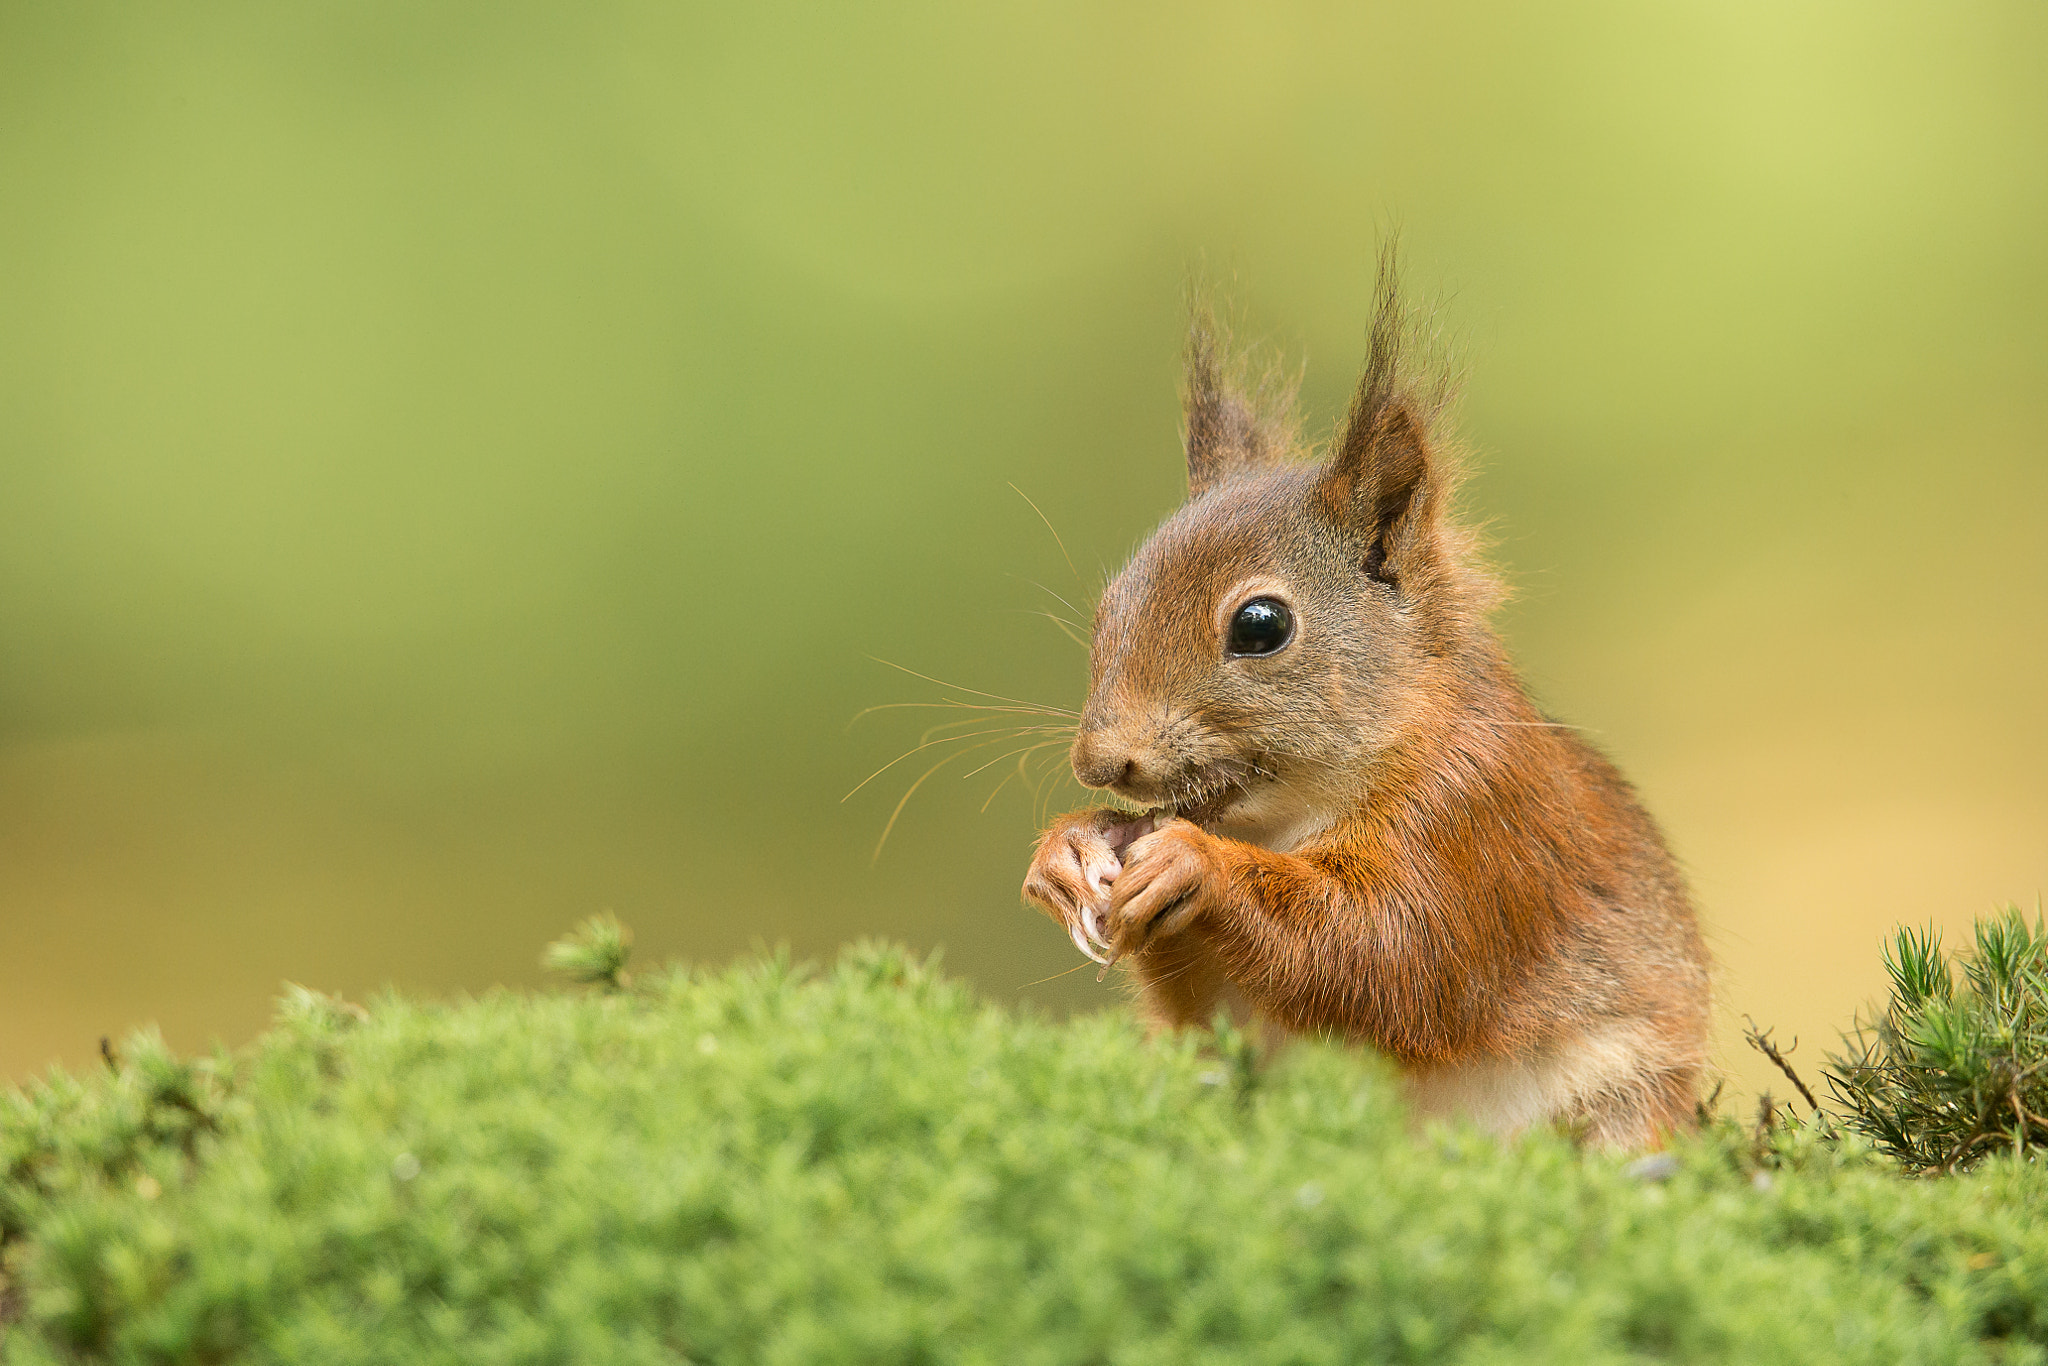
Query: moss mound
[866,1164]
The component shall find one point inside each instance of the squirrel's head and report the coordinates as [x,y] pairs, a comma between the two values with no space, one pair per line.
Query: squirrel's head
[1295,619]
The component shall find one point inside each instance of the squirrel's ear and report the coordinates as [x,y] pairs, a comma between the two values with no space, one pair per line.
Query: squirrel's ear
[1382,478]
[1226,429]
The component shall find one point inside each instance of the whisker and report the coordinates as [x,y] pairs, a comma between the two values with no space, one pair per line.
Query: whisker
[1000,737]
[1067,628]
[1004,730]
[1015,701]
[1049,527]
[1056,976]
[990,800]
[1028,749]
[996,791]
[912,791]
[1023,774]
[955,704]
[1041,793]
[1049,616]
[981,728]
[1037,786]
[1055,597]
[932,732]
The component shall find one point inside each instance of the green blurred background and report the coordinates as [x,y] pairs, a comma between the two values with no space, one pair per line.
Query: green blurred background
[457,460]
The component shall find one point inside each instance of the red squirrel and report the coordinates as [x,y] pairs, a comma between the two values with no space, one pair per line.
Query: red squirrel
[1356,824]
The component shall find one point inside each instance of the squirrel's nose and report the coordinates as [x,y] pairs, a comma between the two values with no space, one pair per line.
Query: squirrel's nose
[1097,764]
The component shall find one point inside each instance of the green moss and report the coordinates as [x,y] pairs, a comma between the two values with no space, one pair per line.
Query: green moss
[867,1164]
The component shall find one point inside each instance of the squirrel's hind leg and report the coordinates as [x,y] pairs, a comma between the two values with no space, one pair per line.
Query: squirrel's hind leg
[1657,1103]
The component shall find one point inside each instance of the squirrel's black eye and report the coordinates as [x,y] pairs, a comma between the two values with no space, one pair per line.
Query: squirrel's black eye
[1260,627]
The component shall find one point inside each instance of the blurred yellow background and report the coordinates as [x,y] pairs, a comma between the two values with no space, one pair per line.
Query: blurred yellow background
[457,460]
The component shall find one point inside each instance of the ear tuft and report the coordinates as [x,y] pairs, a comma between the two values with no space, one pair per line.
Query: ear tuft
[1382,477]
[1234,422]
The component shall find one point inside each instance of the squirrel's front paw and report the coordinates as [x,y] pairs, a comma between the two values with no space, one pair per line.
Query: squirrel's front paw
[1076,864]
[1170,878]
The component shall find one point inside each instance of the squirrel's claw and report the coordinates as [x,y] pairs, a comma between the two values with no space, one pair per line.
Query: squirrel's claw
[1081,943]
[1093,925]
